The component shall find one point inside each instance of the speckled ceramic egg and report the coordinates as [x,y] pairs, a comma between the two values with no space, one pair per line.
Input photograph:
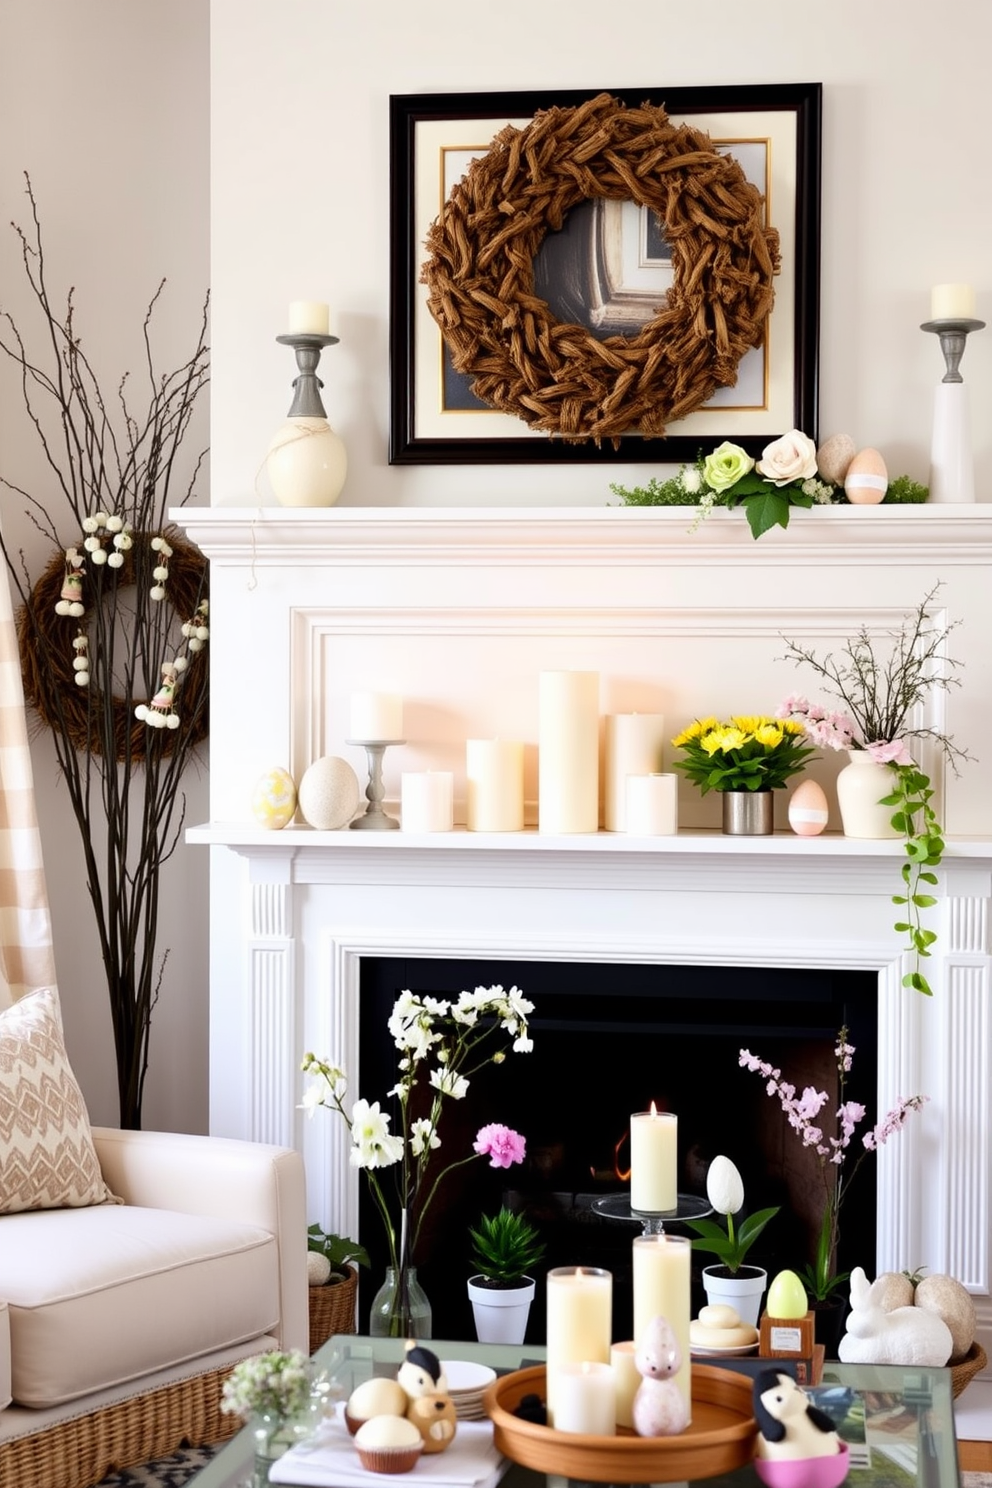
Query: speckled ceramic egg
[329,793]
[808,812]
[867,479]
[273,799]
[834,456]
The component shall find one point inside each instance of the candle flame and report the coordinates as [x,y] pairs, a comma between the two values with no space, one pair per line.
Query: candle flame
[622,1173]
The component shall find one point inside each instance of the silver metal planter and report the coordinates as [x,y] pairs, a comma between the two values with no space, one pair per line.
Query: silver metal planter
[748,813]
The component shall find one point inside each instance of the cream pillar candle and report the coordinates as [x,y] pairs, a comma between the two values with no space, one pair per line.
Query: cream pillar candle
[495,776]
[579,1321]
[952,302]
[652,805]
[585,1399]
[632,745]
[376,717]
[426,801]
[626,1377]
[654,1161]
[662,1288]
[568,752]
[308,318]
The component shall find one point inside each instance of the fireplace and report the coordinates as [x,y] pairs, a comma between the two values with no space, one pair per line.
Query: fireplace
[458,612]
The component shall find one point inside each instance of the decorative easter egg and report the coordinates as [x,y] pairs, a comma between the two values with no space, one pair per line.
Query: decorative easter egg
[787,1296]
[273,799]
[329,793]
[834,457]
[808,810]
[867,479]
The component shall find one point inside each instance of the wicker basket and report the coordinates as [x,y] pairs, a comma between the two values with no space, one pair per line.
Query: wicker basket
[332,1309]
[962,1374]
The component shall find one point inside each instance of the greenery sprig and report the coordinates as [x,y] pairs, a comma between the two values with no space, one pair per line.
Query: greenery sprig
[913,817]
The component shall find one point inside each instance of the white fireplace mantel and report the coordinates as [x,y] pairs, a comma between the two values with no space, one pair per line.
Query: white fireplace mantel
[458,611]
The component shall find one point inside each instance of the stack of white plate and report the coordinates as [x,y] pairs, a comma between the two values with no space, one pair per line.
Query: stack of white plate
[467,1383]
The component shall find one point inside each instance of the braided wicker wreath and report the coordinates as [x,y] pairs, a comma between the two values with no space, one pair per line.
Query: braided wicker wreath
[560,378]
[50,685]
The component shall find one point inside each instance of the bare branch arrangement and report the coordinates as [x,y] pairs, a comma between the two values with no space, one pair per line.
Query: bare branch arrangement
[113,633]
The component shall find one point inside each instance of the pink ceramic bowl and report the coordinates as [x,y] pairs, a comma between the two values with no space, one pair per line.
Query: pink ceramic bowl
[804,1472]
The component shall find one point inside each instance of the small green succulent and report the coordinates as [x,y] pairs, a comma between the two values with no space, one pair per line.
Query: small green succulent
[505,1247]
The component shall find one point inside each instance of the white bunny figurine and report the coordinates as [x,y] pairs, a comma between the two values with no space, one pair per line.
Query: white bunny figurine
[906,1335]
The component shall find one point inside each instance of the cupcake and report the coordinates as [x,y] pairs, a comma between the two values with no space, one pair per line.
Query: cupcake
[388,1444]
[374,1397]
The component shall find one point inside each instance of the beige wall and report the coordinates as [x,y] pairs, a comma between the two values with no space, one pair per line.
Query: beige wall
[105,106]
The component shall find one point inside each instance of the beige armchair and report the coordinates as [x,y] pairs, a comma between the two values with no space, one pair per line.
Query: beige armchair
[119,1322]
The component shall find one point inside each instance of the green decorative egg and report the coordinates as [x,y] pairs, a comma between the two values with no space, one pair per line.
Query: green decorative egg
[273,799]
[787,1297]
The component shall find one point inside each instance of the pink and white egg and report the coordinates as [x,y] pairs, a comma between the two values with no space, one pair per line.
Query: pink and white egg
[808,810]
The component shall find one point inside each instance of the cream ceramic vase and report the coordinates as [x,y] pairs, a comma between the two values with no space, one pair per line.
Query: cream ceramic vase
[860,787]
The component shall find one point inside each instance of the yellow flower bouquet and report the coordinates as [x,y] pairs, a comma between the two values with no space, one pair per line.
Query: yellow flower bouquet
[744,754]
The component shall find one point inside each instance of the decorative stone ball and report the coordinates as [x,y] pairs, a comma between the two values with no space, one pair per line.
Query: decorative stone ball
[808,813]
[834,456]
[318,1268]
[273,799]
[867,479]
[329,793]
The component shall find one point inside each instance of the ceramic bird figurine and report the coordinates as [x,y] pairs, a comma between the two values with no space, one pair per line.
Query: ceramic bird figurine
[659,1407]
[790,1427]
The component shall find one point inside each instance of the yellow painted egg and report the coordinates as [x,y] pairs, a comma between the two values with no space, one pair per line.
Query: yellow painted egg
[834,457]
[867,479]
[787,1297]
[273,799]
[808,810]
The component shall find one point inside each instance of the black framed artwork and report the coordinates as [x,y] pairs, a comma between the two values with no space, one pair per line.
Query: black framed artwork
[606,268]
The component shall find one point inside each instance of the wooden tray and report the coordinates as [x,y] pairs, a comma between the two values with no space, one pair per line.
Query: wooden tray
[720,1438]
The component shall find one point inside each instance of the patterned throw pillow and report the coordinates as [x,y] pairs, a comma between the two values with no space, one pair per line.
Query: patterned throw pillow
[47,1157]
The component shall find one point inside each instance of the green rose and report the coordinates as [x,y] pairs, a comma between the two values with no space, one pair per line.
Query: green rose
[725,466]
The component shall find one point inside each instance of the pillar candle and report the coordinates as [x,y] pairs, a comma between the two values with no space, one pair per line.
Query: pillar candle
[308,318]
[632,745]
[579,1321]
[654,1161]
[662,1288]
[376,717]
[585,1399]
[652,805]
[495,776]
[952,302]
[626,1378]
[568,752]
[426,801]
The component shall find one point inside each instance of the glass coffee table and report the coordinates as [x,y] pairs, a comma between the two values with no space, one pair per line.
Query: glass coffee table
[899,1422]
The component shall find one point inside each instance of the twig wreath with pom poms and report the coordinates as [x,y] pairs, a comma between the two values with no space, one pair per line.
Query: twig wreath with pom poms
[561,378]
[64,598]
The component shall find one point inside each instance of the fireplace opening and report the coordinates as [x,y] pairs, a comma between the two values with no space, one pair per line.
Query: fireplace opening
[608,1040]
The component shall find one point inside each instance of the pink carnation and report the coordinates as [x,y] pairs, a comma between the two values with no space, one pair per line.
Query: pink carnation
[500,1144]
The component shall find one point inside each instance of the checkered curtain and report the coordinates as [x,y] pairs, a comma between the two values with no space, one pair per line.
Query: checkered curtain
[26,957]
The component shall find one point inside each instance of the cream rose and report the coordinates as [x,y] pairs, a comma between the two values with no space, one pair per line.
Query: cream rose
[791,458]
[725,466]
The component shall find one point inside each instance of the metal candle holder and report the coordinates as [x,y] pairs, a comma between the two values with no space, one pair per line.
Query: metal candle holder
[952,474]
[374,818]
[307,402]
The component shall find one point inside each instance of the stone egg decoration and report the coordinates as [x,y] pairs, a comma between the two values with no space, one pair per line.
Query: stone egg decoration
[273,799]
[834,457]
[329,793]
[787,1296]
[867,479]
[808,810]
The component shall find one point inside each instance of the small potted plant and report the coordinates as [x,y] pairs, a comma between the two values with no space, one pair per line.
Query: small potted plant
[731,1281]
[331,1272]
[505,1247]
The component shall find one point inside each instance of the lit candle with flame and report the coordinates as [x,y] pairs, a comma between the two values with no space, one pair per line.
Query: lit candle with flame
[653,1161]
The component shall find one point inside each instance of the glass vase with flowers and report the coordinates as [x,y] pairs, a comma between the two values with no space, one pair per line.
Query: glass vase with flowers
[441,1044]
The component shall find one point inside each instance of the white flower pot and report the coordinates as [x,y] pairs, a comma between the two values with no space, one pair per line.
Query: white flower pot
[860,787]
[501,1312]
[742,1289]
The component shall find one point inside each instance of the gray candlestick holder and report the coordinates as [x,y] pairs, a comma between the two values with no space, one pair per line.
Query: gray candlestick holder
[374,818]
[952,467]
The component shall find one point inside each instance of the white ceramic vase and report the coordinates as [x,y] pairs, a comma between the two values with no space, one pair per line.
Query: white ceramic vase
[742,1289]
[860,786]
[501,1313]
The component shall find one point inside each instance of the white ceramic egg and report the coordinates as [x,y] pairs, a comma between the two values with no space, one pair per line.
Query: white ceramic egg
[329,793]
[808,811]
[273,799]
[867,479]
[834,457]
